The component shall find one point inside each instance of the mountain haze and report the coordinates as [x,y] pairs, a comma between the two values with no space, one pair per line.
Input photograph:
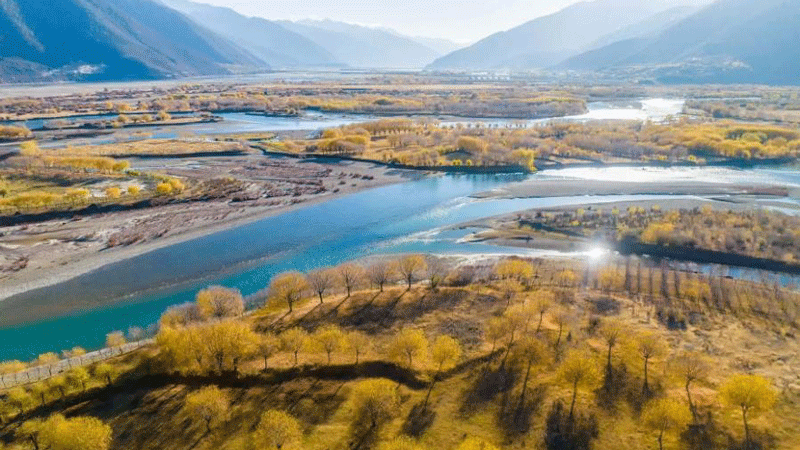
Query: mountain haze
[270,41]
[364,47]
[548,40]
[728,41]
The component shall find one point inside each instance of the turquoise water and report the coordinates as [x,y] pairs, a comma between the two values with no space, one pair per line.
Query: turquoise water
[408,217]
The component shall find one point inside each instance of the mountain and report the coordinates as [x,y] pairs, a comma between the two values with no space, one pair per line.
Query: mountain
[440,46]
[550,39]
[649,27]
[364,47]
[268,40]
[728,41]
[109,40]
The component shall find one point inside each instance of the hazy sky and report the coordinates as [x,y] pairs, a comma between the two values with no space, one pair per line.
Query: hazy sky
[460,20]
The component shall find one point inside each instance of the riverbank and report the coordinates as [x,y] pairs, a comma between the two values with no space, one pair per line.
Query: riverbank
[51,252]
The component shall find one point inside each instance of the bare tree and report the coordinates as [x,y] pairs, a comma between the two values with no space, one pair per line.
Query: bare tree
[321,280]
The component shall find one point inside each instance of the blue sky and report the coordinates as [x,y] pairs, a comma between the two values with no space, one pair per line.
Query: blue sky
[463,21]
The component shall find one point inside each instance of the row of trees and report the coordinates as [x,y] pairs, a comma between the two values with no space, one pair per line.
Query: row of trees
[288,288]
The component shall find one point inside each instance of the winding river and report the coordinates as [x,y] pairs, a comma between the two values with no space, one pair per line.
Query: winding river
[415,216]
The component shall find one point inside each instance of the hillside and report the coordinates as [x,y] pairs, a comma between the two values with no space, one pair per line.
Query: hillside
[515,355]
[729,41]
[109,40]
[364,47]
[548,40]
[266,39]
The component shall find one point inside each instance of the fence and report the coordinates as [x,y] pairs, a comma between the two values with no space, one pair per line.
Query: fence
[44,372]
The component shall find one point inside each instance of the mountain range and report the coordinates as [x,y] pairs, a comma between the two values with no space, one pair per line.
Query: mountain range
[548,40]
[729,41]
[109,39]
[725,41]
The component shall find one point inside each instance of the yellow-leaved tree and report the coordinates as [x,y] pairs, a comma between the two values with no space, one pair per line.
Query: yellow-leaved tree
[209,405]
[445,354]
[407,345]
[277,430]
[374,402]
[76,433]
[287,288]
[217,302]
[752,394]
[663,415]
[578,371]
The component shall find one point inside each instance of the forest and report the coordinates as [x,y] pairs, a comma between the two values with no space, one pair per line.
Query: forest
[430,144]
[412,353]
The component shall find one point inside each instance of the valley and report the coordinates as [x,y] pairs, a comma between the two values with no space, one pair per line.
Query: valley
[462,250]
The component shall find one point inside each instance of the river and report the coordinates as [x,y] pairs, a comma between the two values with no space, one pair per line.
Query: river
[411,217]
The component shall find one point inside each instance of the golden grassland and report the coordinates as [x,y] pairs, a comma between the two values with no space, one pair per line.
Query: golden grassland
[145,407]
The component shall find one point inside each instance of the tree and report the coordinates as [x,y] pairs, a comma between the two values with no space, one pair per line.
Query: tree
[208,404]
[58,384]
[528,352]
[436,271]
[562,319]
[663,415]
[351,275]
[321,280]
[543,300]
[115,339]
[217,302]
[514,268]
[380,273]
[408,345]
[230,341]
[445,354]
[474,443]
[410,266]
[268,346]
[78,377]
[753,394]
[648,346]
[73,353]
[496,329]
[30,431]
[358,342]
[180,315]
[40,391]
[330,339]
[374,402]
[294,340]
[77,433]
[19,399]
[611,332]
[113,192]
[611,280]
[15,366]
[287,288]
[691,367]
[277,430]
[577,370]
[106,372]
[525,313]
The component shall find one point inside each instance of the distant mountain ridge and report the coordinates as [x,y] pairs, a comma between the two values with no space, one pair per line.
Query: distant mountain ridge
[365,47]
[309,43]
[547,40]
[728,41]
[273,43]
[109,40]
